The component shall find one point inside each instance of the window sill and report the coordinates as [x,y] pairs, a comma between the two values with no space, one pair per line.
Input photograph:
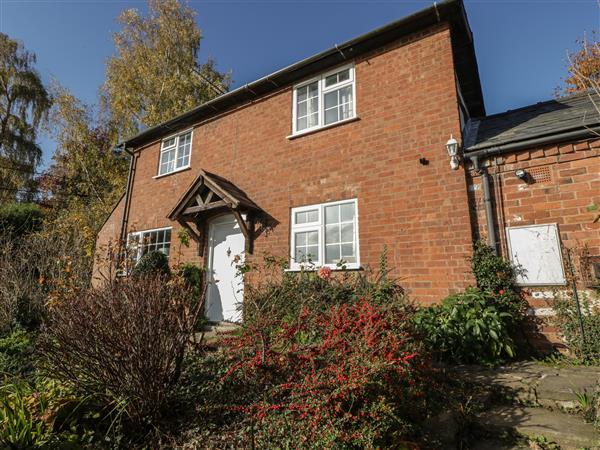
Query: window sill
[334,268]
[324,127]
[181,169]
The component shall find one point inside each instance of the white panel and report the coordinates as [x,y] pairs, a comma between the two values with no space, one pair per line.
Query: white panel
[536,249]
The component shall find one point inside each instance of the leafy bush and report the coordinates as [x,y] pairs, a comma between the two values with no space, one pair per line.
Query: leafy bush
[351,376]
[497,276]
[466,328]
[16,351]
[43,414]
[34,270]
[567,321]
[193,275]
[323,360]
[281,296]
[122,344]
[152,263]
[20,219]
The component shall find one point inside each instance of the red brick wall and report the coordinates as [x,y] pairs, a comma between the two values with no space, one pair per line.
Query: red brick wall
[567,189]
[107,239]
[407,108]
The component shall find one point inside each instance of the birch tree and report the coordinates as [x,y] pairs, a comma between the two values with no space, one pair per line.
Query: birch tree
[155,73]
[24,103]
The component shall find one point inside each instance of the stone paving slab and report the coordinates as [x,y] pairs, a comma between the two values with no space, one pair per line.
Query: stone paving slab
[534,383]
[569,431]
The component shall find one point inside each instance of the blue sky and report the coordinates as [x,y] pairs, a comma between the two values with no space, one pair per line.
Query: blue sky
[521,45]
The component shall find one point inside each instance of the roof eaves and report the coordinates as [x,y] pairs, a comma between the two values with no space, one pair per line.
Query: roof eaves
[447,10]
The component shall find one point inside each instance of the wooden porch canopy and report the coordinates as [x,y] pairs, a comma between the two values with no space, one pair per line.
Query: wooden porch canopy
[208,195]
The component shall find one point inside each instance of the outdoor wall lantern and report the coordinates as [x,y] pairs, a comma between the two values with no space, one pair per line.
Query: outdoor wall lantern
[452,148]
[521,174]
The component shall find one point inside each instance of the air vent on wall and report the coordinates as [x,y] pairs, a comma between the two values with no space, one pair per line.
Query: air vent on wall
[540,174]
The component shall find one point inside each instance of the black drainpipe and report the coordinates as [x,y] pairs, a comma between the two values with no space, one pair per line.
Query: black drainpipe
[487,200]
[125,220]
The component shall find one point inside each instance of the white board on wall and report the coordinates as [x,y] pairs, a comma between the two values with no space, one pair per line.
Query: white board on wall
[536,249]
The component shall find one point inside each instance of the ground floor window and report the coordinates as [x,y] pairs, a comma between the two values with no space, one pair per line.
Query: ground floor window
[141,242]
[325,234]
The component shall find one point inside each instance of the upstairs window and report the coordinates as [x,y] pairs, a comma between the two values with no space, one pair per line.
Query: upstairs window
[175,153]
[325,235]
[324,101]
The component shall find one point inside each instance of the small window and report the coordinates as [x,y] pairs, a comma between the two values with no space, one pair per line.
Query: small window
[141,242]
[175,153]
[325,235]
[324,101]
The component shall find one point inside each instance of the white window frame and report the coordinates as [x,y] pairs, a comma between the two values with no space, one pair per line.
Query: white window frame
[351,81]
[319,226]
[141,234]
[176,137]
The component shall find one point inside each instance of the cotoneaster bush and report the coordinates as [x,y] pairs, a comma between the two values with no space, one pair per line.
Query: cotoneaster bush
[325,360]
[352,376]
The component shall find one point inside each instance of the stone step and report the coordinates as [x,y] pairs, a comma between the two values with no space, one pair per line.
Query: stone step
[214,330]
[537,384]
[568,431]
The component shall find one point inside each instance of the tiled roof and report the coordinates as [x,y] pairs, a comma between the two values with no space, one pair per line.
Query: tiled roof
[548,118]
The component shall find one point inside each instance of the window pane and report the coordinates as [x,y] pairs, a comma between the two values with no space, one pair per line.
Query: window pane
[332,254]
[301,123]
[313,89]
[331,80]
[346,111]
[314,105]
[344,75]
[347,232]
[168,143]
[185,139]
[300,239]
[301,109]
[313,120]
[345,94]
[332,214]
[312,238]
[302,93]
[332,234]
[331,99]
[331,116]
[307,216]
[167,161]
[348,253]
[347,210]
[312,253]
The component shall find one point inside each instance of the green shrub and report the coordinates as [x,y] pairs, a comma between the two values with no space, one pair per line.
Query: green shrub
[496,276]
[567,321]
[16,353]
[466,328]
[43,414]
[193,276]
[152,263]
[19,219]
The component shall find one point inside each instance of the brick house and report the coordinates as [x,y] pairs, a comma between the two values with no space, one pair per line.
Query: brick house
[328,160]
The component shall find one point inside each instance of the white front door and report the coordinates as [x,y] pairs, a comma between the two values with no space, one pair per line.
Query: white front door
[225,286]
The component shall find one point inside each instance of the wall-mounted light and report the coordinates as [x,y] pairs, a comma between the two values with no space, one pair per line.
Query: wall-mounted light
[521,174]
[452,149]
